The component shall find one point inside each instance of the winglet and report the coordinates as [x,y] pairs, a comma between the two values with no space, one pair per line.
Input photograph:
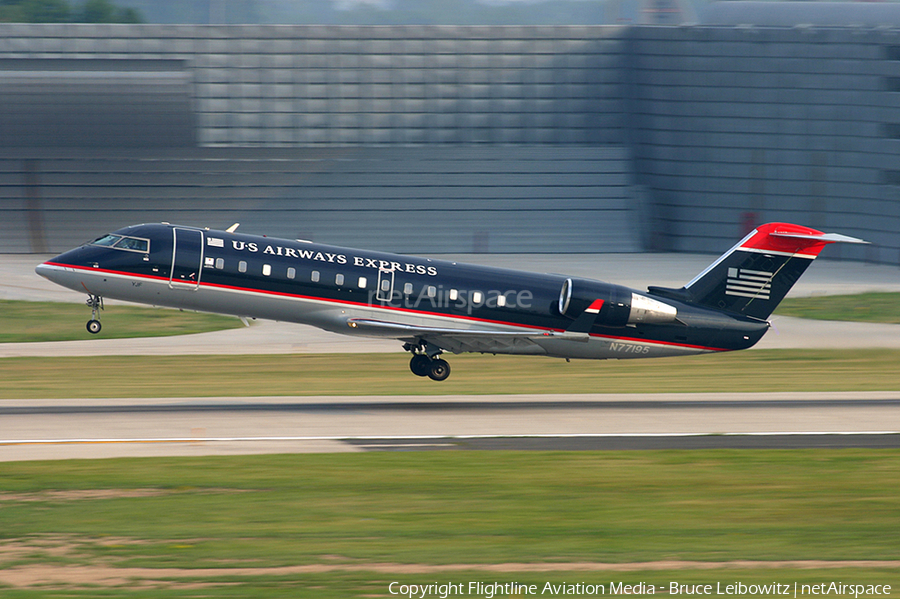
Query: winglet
[233,228]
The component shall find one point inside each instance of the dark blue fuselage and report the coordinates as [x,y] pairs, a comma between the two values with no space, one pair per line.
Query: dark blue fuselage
[331,287]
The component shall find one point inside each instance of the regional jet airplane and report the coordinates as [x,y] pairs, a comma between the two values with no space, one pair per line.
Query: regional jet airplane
[433,306]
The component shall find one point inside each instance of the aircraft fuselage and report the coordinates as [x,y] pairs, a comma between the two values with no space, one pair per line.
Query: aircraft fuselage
[357,292]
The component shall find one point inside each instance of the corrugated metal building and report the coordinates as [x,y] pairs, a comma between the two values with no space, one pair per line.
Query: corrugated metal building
[452,139]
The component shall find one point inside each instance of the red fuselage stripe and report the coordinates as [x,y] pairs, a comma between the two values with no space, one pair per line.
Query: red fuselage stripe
[360,304]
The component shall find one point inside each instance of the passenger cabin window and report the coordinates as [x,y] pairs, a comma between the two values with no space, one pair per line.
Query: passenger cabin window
[339,279]
[431,291]
[220,263]
[408,289]
[315,276]
[362,282]
[242,266]
[291,273]
[477,297]
[454,295]
[267,270]
[501,301]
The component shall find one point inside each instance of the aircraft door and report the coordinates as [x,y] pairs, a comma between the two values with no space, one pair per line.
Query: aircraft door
[187,259]
[385,285]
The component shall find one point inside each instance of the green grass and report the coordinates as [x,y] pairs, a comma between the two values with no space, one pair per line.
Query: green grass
[433,508]
[471,507]
[388,374]
[866,307]
[51,321]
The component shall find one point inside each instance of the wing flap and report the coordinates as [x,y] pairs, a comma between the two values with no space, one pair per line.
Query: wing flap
[455,340]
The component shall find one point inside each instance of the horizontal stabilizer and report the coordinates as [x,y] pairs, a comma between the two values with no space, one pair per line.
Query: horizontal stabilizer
[827,237]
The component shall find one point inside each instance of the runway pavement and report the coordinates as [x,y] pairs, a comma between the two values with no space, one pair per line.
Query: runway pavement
[52,429]
[85,428]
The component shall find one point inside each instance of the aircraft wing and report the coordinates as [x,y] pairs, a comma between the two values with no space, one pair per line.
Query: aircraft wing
[457,340]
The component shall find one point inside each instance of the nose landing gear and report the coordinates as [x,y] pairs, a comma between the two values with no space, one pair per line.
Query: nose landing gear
[95,302]
[425,361]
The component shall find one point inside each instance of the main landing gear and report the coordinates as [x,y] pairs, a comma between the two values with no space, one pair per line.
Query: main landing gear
[95,302]
[425,361]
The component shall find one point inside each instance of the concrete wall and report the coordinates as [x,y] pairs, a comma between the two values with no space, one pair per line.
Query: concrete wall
[414,200]
[530,138]
[736,126]
[95,102]
[316,85]
[518,134]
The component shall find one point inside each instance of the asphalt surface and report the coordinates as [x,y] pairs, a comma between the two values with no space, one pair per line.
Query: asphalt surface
[47,429]
[86,428]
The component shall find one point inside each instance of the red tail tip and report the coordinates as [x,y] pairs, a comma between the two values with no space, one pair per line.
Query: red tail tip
[792,239]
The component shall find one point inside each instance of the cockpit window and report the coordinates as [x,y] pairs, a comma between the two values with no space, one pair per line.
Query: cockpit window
[120,242]
[133,243]
[107,240]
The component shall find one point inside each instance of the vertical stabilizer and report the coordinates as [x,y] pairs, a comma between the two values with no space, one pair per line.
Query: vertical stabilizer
[754,276]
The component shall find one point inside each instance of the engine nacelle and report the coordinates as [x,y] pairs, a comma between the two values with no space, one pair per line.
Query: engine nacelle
[612,305]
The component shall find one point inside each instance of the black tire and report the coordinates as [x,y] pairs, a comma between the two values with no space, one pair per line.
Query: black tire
[93,327]
[420,365]
[440,370]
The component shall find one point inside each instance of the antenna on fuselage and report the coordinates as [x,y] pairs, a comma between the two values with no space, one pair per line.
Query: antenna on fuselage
[233,228]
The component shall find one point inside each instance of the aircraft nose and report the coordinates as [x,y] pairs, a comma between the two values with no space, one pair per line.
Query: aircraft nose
[43,269]
[46,270]
[57,272]
[53,269]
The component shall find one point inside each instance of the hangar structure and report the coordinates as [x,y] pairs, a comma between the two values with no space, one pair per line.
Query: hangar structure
[452,139]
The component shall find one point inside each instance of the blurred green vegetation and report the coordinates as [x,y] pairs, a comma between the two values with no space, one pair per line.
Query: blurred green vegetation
[52,321]
[388,374]
[453,508]
[61,11]
[864,307]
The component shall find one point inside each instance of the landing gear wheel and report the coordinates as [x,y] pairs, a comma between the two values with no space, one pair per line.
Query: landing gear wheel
[95,303]
[440,370]
[425,360]
[420,365]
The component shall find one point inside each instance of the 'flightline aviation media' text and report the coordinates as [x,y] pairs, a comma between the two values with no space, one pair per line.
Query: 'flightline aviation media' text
[490,590]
